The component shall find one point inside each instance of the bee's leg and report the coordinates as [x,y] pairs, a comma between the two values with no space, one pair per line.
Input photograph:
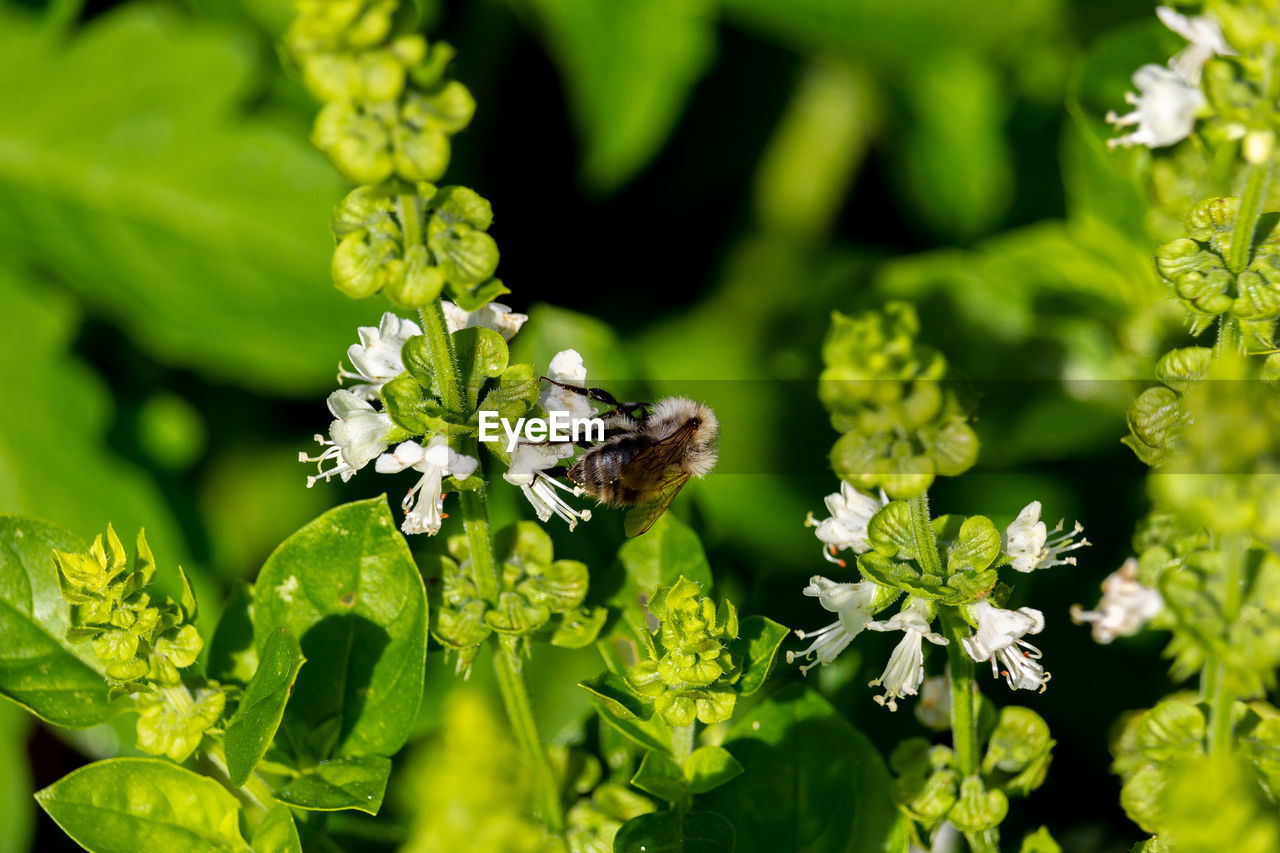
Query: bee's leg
[635,410]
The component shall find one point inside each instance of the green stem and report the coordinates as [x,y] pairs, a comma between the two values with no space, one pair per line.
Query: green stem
[964,728]
[484,567]
[1255,192]
[922,532]
[254,793]
[682,743]
[1230,340]
[1222,699]
[520,711]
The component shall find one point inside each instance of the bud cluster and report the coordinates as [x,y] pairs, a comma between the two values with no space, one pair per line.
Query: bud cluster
[900,426]
[539,595]
[388,109]
[141,643]
[691,668]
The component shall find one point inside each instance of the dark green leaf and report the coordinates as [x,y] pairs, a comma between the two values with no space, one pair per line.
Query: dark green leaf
[128,804]
[348,588]
[628,66]
[54,679]
[825,784]
[254,724]
[342,783]
[758,640]
[232,655]
[667,832]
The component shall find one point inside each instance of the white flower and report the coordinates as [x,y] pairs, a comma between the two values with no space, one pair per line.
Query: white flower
[424,505]
[358,435]
[1166,108]
[933,709]
[1206,39]
[527,464]
[1125,607]
[850,511]
[567,367]
[905,671]
[376,359]
[494,315]
[999,640]
[853,603]
[1030,547]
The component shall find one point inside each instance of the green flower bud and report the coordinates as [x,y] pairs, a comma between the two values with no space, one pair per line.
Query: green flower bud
[172,724]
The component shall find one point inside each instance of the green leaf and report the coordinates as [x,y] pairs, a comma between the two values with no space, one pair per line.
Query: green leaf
[667,832]
[825,784]
[128,804]
[52,678]
[354,782]
[348,588]
[661,776]
[759,638]
[15,780]
[276,833]
[709,767]
[628,66]
[670,549]
[232,655]
[976,546]
[253,726]
[627,713]
[889,531]
[231,209]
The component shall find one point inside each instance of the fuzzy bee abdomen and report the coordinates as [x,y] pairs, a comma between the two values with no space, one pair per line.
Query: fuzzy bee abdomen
[600,470]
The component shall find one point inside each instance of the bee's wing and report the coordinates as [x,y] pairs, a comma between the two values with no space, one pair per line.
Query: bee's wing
[656,473]
[642,516]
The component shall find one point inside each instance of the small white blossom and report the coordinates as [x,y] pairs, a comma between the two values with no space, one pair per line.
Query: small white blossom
[933,709]
[528,463]
[1029,545]
[999,640]
[496,316]
[424,504]
[905,670]
[853,604]
[375,361]
[1125,607]
[1165,111]
[358,435]
[850,512]
[567,367]
[1207,41]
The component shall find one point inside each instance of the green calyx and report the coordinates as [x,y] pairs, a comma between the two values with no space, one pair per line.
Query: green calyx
[388,109]
[1197,268]
[900,426]
[969,556]
[692,668]
[143,644]
[540,596]
[415,242]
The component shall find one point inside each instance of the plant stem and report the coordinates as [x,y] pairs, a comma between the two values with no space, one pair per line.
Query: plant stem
[1222,699]
[484,567]
[1255,192]
[682,743]
[254,793]
[964,728]
[520,711]
[922,531]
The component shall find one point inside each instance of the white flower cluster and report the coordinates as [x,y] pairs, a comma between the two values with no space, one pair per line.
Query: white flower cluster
[1169,96]
[998,636]
[361,433]
[1126,605]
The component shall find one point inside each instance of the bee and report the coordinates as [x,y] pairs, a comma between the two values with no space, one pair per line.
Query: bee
[649,451]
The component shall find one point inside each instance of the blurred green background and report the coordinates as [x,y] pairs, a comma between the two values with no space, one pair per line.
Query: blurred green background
[684,190]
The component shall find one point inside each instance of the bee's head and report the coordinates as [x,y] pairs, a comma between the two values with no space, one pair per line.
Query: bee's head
[702,451]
